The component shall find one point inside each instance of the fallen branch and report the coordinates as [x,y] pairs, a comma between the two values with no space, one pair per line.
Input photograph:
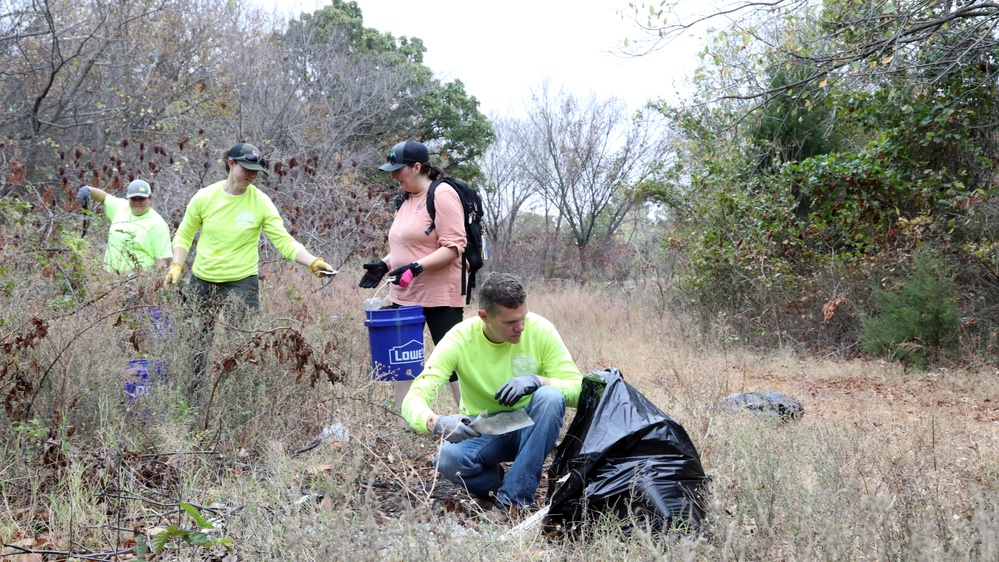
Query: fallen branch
[63,554]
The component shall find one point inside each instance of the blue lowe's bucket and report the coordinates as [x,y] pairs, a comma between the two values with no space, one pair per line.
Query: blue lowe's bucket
[159,325]
[137,381]
[396,337]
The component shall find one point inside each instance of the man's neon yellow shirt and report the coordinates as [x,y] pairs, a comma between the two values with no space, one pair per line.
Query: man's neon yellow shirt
[228,248]
[134,242]
[483,367]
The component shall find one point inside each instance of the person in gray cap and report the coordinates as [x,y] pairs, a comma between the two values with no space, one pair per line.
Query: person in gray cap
[138,238]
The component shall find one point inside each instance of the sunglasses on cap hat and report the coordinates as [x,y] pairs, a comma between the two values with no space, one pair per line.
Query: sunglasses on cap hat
[250,159]
[251,162]
[405,153]
[392,160]
[247,156]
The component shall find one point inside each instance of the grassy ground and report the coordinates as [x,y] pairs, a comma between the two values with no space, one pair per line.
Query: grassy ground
[884,465]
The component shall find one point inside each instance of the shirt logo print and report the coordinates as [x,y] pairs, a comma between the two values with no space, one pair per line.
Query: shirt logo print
[523,366]
[244,218]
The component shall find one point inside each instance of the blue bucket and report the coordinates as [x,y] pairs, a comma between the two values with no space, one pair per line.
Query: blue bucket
[137,381]
[159,325]
[396,337]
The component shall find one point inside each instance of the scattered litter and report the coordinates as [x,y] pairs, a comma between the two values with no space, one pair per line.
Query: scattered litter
[765,404]
[316,498]
[334,432]
[528,525]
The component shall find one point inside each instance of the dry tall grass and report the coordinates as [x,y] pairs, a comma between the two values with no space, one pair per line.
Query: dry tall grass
[885,465]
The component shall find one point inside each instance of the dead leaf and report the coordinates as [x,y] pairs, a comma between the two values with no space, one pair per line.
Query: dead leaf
[319,469]
[48,541]
[277,447]
[829,308]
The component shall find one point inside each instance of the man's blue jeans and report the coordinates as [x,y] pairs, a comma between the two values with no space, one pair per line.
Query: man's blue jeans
[474,463]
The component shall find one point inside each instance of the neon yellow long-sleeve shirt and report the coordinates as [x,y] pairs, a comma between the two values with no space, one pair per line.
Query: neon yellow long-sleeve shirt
[134,241]
[230,232]
[483,367]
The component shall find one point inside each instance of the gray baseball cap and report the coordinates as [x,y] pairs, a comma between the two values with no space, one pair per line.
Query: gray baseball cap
[139,188]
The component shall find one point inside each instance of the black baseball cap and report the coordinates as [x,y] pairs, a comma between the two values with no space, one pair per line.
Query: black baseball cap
[405,153]
[247,156]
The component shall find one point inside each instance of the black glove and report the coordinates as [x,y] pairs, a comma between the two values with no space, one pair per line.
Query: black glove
[82,195]
[517,388]
[403,276]
[373,275]
[454,428]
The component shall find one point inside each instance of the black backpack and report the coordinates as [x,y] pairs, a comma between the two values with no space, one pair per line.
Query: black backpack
[475,248]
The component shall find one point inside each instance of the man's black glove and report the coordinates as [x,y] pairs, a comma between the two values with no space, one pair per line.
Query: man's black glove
[454,428]
[403,276]
[517,388]
[373,275]
[82,195]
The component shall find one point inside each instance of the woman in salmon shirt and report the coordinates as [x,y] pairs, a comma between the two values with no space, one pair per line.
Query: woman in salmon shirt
[425,263]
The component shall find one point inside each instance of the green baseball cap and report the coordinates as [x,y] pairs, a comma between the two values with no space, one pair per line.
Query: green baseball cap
[248,156]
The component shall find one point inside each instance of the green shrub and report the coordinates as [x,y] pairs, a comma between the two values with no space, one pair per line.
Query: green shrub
[918,321]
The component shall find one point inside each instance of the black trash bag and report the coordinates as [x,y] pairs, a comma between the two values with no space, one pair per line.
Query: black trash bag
[624,457]
[766,404]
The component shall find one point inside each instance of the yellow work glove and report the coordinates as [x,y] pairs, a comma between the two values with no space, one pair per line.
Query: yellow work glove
[173,274]
[319,267]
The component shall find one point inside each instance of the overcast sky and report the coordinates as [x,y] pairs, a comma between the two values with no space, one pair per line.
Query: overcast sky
[501,50]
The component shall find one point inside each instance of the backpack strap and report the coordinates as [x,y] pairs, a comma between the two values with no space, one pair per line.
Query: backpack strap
[399,199]
[432,211]
[431,208]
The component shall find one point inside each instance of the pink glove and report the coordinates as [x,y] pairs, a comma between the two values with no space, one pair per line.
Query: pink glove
[404,275]
[406,279]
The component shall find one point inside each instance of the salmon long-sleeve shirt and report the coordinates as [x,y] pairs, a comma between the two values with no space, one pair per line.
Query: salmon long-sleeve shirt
[409,241]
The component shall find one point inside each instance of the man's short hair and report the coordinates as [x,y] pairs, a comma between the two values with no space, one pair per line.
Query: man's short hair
[501,289]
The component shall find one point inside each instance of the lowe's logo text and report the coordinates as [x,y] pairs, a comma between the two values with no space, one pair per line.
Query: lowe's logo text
[408,352]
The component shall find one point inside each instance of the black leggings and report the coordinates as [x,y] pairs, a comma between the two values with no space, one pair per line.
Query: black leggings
[440,319]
